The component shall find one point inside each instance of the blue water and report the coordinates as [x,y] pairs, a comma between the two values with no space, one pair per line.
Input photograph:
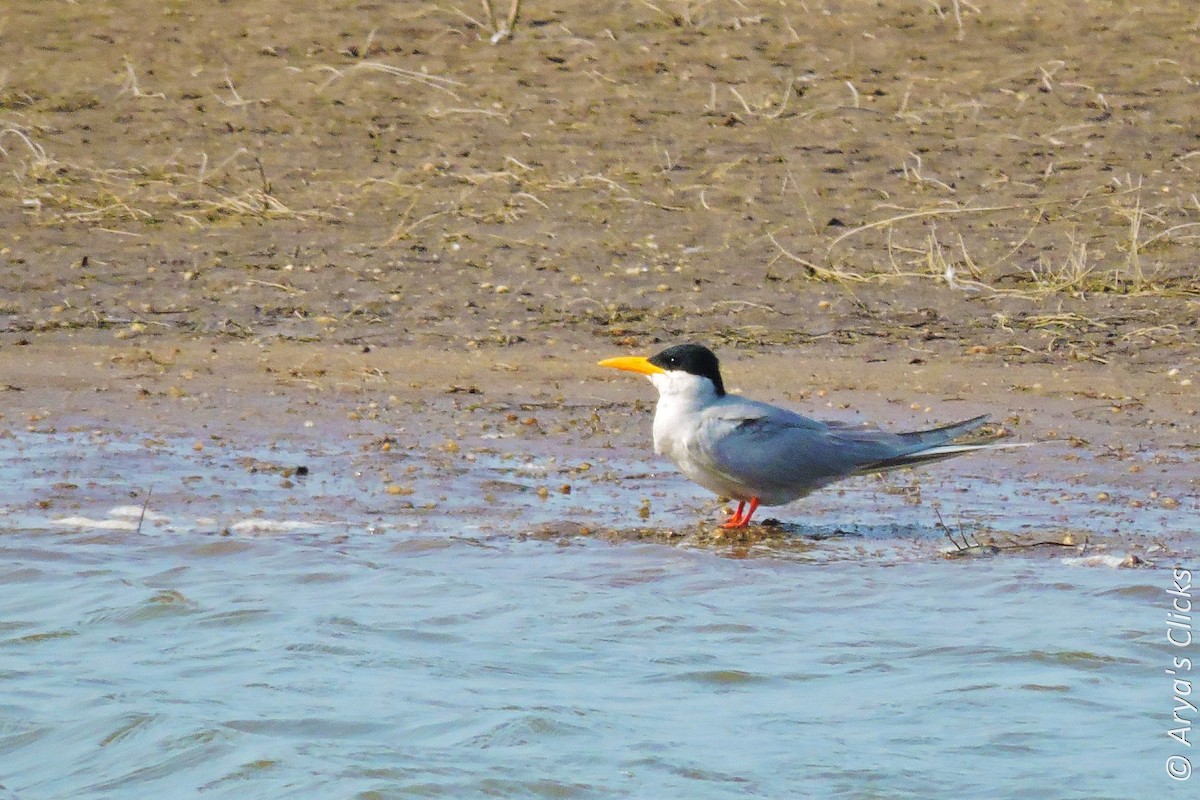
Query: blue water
[428,665]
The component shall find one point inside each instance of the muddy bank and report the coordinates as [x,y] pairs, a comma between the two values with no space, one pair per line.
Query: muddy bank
[367,224]
[291,439]
[753,175]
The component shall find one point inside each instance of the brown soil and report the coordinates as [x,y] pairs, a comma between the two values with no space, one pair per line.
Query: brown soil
[223,212]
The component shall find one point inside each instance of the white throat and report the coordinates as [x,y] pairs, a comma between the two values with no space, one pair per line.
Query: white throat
[681,395]
[683,385]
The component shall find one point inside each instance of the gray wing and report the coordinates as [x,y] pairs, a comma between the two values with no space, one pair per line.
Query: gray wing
[787,455]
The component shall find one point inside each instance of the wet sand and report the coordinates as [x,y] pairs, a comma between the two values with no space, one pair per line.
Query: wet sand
[365,224]
[554,448]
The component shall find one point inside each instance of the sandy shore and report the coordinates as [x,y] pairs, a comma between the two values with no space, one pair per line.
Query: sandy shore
[373,219]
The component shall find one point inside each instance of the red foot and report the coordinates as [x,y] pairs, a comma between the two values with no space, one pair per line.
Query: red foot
[740,520]
[735,519]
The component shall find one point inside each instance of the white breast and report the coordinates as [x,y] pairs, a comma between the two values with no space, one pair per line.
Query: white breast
[679,424]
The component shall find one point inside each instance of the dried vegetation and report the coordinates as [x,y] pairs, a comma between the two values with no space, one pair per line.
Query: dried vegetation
[745,172]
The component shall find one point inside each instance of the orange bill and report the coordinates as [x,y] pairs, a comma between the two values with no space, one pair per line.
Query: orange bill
[632,364]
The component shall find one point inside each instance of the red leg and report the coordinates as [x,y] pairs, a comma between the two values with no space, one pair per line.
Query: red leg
[750,511]
[735,519]
[740,520]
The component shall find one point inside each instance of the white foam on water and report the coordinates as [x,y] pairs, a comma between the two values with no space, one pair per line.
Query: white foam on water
[1102,560]
[97,524]
[138,512]
[271,526]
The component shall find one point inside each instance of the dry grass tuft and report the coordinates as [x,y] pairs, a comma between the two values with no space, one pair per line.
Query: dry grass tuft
[437,82]
[1110,259]
[58,191]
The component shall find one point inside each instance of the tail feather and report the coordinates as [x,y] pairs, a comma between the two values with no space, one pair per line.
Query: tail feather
[945,433]
[930,455]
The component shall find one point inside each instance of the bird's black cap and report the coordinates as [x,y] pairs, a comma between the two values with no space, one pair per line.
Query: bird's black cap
[695,359]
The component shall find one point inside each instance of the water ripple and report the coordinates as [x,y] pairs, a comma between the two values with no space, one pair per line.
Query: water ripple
[275,667]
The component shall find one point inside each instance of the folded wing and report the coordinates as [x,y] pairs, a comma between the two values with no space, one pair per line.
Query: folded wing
[786,456]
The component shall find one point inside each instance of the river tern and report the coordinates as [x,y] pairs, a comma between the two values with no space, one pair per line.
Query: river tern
[760,454]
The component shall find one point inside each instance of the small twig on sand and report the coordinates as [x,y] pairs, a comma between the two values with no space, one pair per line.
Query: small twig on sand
[438,82]
[502,30]
[967,548]
[977,548]
[39,153]
[149,492]
[130,86]
[815,270]
[928,212]
[283,286]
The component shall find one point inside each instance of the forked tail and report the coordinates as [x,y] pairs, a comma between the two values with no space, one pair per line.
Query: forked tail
[930,455]
[933,445]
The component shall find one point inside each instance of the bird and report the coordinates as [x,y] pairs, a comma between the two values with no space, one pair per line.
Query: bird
[763,455]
